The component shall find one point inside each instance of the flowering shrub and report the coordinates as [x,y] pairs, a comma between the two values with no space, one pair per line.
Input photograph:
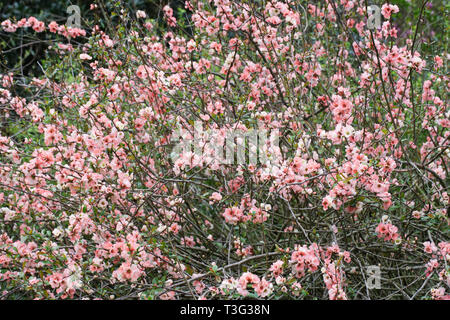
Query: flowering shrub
[94,204]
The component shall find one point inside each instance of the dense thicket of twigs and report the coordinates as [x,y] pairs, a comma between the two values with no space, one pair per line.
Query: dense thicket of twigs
[95,204]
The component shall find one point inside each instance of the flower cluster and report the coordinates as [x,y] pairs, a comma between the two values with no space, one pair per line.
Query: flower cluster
[97,200]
